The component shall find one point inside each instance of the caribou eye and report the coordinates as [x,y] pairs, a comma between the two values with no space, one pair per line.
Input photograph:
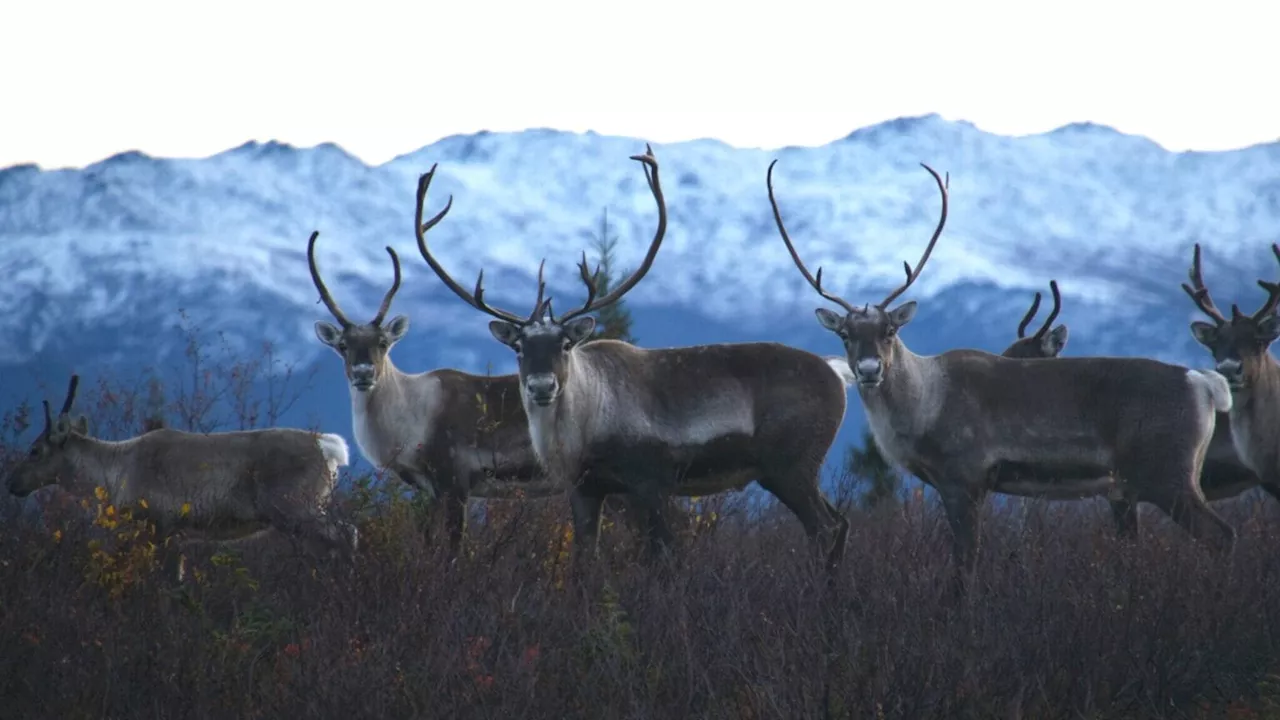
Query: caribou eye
[342,346]
[890,331]
[384,343]
[518,347]
[565,345]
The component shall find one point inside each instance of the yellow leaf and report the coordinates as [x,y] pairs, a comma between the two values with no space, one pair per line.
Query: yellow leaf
[186,509]
[100,493]
[57,536]
[142,503]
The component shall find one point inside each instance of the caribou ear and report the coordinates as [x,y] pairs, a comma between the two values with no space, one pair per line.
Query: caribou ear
[506,333]
[61,428]
[396,329]
[830,320]
[902,314]
[328,333]
[1054,341]
[1269,328]
[1204,333]
[81,425]
[579,329]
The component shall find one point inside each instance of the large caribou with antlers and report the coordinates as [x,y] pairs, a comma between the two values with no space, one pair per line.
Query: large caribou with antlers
[448,432]
[607,417]
[1097,424]
[1223,474]
[225,484]
[1240,348]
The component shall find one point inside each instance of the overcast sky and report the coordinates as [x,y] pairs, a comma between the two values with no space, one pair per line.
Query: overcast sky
[80,81]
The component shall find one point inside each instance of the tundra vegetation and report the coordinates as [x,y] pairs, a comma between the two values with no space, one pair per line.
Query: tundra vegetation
[1063,619]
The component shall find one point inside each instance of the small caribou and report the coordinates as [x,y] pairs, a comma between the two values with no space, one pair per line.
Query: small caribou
[229,484]
[607,417]
[1124,423]
[1240,348]
[1222,476]
[448,432]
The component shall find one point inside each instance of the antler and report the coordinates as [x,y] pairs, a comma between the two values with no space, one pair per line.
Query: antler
[66,403]
[332,304]
[650,164]
[1026,319]
[1200,294]
[816,282]
[1035,306]
[1273,290]
[395,285]
[475,298]
[325,297]
[942,221]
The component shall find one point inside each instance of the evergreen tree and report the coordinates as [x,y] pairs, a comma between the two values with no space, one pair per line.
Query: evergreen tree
[612,321]
[154,419]
[881,479]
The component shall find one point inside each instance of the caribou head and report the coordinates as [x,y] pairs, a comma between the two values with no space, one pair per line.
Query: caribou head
[1045,343]
[1239,345]
[869,333]
[48,462]
[363,348]
[543,342]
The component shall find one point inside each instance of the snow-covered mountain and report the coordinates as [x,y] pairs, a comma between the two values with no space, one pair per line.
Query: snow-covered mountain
[99,261]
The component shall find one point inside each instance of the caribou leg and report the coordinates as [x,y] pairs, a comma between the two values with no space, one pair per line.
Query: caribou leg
[1125,513]
[963,508]
[827,530]
[585,503]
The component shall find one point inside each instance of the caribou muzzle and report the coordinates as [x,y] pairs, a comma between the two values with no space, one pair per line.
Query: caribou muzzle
[868,371]
[542,388]
[363,377]
[1233,371]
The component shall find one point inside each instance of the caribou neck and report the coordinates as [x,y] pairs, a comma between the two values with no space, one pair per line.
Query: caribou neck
[905,404]
[382,419]
[559,433]
[907,384]
[99,463]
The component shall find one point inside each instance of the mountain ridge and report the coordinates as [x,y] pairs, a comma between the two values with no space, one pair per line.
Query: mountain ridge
[101,258]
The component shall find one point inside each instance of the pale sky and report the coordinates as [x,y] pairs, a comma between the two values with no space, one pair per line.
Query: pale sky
[80,81]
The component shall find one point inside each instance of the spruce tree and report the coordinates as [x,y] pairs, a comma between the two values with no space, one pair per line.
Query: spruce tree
[881,479]
[612,321]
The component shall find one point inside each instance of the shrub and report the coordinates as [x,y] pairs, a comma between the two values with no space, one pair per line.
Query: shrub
[1065,620]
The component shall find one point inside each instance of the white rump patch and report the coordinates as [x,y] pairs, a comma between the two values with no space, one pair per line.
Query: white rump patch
[334,449]
[1213,383]
[841,366]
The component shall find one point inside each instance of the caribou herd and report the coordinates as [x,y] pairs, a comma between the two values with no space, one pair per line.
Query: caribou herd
[588,417]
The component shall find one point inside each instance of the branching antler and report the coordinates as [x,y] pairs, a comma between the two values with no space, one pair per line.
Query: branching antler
[1273,290]
[815,282]
[942,221]
[1199,293]
[592,304]
[1035,307]
[475,298]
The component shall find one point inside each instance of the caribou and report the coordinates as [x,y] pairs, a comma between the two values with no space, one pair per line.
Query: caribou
[1222,476]
[1240,348]
[446,432]
[225,484]
[608,417]
[1096,425]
